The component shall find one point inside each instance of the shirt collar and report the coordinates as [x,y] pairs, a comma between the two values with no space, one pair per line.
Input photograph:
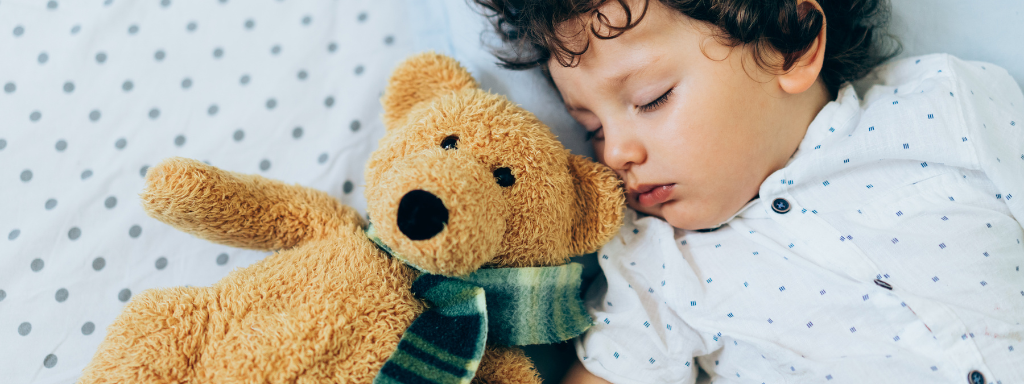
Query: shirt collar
[835,116]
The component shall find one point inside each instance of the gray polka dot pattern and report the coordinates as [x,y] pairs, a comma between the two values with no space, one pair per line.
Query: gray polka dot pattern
[135,231]
[74,233]
[50,361]
[359,70]
[270,89]
[61,295]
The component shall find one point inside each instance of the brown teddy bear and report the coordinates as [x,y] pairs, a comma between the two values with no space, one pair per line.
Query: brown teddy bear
[464,187]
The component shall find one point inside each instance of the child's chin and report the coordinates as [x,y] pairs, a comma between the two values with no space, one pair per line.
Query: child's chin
[681,216]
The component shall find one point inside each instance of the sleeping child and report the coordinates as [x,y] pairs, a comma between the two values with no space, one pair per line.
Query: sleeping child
[786,226]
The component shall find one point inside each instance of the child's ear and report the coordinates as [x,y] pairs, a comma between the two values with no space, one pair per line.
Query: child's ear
[599,205]
[421,78]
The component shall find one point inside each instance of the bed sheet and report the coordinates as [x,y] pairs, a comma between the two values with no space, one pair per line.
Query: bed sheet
[94,92]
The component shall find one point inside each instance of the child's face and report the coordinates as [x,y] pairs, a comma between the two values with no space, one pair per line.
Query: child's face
[693,132]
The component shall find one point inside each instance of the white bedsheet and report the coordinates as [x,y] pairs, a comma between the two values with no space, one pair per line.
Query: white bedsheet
[95,92]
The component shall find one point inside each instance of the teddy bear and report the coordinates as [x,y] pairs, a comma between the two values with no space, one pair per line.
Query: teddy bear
[466,192]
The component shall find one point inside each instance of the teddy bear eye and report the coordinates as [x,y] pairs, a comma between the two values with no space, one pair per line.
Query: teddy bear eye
[504,177]
[450,142]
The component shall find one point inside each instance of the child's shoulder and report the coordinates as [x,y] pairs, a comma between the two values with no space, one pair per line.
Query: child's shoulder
[928,72]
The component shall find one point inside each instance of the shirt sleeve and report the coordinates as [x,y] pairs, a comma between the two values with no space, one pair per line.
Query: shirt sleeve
[993,114]
[637,336]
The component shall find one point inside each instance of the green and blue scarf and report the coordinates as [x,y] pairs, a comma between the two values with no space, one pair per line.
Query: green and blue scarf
[504,306]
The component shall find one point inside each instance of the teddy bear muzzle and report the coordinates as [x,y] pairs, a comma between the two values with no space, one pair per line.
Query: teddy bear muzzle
[444,212]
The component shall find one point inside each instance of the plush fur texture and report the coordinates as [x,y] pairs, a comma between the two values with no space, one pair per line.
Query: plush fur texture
[328,306]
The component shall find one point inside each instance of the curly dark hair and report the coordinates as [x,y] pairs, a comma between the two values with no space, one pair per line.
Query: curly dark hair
[777,31]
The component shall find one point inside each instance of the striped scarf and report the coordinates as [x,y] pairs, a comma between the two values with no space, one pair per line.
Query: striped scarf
[506,306]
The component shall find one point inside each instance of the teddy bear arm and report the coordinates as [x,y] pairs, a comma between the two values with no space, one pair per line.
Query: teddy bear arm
[508,365]
[244,211]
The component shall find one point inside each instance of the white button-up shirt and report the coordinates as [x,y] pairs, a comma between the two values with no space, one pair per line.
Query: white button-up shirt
[888,250]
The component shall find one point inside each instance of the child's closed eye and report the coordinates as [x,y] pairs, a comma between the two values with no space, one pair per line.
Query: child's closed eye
[595,134]
[657,102]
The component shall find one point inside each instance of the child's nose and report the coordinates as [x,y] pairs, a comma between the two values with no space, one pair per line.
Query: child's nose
[621,149]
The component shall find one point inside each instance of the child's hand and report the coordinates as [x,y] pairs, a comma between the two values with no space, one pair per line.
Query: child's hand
[579,375]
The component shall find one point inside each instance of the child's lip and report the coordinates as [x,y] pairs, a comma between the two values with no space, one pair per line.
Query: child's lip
[652,194]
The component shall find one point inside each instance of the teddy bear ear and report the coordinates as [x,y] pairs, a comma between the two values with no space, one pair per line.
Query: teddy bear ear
[421,78]
[599,205]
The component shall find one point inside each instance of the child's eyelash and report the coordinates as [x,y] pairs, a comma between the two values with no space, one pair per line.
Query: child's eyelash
[592,134]
[656,103]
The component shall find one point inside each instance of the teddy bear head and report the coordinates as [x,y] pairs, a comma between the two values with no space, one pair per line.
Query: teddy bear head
[465,179]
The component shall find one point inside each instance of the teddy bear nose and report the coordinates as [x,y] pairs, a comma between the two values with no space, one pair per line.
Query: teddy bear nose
[421,215]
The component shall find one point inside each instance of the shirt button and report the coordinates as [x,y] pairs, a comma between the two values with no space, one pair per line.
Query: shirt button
[975,377]
[780,205]
[883,284]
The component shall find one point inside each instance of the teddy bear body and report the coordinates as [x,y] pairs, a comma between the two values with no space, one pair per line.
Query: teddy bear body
[463,180]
